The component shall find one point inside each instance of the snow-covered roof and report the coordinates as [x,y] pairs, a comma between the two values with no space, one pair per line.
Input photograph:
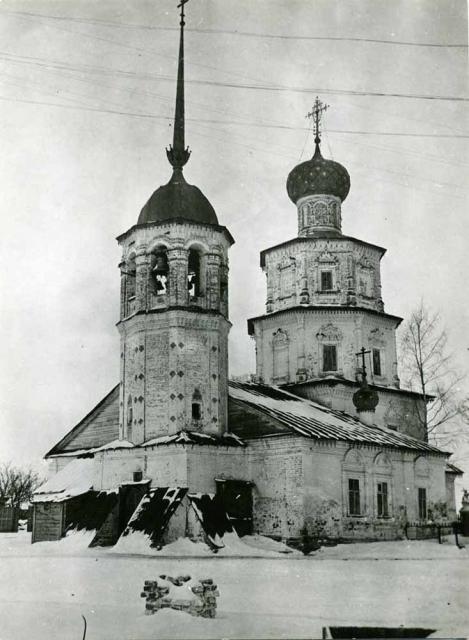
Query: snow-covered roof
[195,437]
[313,420]
[76,478]
[452,468]
[115,444]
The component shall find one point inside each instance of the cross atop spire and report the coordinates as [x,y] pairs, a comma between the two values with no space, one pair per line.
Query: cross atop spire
[178,154]
[316,113]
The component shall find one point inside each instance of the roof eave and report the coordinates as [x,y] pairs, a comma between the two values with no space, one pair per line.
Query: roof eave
[176,221]
[307,308]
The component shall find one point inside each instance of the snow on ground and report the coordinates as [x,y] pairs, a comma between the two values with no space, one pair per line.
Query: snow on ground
[45,589]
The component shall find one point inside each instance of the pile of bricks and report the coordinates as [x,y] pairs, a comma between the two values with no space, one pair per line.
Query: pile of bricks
[201,598]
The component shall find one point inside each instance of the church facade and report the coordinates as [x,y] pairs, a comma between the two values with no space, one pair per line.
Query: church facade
[322,442]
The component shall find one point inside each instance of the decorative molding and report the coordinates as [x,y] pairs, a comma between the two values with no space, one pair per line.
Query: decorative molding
[329,333]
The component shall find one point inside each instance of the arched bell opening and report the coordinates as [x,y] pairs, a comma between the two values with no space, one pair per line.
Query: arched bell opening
[194,274]
[159,273]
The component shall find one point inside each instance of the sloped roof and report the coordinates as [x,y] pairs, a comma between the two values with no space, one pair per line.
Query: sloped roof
[452,468]
[195,437]
[98,428]
[254,411]
[312,420]
[76,478]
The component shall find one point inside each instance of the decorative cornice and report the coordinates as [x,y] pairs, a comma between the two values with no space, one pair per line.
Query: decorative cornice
[330,381]
[313,239]
[329,309]
[174,222]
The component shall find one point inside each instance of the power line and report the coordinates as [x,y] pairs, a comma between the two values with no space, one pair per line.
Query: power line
[236,32]
[232,122]
[232,85]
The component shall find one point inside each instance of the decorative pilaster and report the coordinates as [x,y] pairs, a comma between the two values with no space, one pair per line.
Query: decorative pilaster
[213,281]
[122,290]
[304,293]
[178,291]
[141,284]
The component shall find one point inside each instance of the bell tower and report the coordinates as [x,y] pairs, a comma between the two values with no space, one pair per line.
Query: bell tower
[174,306]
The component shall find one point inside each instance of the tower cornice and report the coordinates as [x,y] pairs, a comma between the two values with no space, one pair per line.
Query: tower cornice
[310,239]
[173,223]
[327,309]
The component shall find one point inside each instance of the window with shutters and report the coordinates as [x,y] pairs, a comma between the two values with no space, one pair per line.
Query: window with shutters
[329,357]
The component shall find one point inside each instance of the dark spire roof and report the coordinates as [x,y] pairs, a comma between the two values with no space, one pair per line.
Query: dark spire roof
[177,198]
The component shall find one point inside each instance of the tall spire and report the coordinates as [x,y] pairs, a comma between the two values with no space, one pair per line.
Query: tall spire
[178,154]
[318,109]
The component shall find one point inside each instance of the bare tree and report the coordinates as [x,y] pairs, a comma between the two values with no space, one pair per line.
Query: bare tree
[17,485]
[429,368]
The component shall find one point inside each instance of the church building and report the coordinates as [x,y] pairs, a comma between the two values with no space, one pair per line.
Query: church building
[322,441]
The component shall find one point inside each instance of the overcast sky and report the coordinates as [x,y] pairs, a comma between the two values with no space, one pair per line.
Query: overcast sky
[86,101]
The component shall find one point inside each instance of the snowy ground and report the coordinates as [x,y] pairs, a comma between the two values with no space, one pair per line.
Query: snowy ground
[46,587]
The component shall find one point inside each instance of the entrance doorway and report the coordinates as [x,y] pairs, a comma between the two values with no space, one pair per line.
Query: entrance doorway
[236,497]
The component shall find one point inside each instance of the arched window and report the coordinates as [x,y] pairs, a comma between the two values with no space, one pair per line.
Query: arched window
[196,405]
[353,483]
[383,485]
[422,473]
[159,275]
[193,274]
[280,354]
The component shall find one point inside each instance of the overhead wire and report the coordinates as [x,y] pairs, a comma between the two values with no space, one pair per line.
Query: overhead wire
[262,87]
[236,32]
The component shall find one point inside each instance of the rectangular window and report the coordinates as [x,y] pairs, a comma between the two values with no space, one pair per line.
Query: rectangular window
[383,508]
[326,281]
[329,357]
[376,362]
[195,411]
[422,504]
[354,497]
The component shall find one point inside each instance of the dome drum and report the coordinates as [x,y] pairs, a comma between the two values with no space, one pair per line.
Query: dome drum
[319,214]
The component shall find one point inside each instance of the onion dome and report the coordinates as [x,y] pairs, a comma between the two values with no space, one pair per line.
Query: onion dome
[318,176]
[178,199]
[365,399]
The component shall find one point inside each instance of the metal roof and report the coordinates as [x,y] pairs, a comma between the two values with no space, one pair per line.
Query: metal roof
[312,420]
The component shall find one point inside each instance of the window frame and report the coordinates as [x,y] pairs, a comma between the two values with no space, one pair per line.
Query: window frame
[422,492]
[330,274]
[376,358]
[332,349]
[354,498]
[382,506]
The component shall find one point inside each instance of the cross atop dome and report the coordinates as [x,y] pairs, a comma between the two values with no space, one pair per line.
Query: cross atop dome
[318,109]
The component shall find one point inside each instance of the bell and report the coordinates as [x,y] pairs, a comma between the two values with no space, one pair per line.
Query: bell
[161,265]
